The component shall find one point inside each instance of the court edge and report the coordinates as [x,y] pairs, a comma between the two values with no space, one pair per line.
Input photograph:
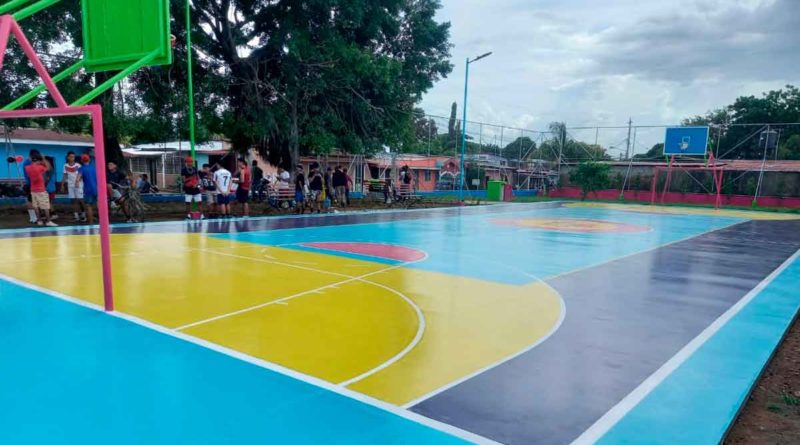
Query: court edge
[627,404]
[401,412]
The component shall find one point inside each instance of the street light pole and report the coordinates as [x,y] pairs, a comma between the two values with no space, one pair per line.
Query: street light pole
[464,125]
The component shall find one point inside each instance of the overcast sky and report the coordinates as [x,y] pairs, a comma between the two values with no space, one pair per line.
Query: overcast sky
[599,62]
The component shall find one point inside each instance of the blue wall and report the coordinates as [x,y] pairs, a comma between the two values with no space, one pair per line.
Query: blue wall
[57,152]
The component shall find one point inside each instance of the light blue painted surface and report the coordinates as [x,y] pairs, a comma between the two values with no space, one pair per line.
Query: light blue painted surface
[474,246]
[71,375]
[698,401]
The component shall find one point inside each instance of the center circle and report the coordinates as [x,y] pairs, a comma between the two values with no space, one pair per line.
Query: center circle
[572,225]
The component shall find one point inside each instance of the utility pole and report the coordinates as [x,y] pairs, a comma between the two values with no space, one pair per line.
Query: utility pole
[628,149]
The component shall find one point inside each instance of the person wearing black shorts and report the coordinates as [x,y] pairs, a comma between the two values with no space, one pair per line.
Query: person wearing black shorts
[244,181]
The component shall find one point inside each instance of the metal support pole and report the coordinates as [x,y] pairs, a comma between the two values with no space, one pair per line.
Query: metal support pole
[464,135]
[761,172]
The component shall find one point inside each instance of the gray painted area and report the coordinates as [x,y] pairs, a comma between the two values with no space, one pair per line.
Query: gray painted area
[624,320]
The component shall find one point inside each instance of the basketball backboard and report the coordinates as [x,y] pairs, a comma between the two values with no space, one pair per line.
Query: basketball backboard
[689,141]
[117,34]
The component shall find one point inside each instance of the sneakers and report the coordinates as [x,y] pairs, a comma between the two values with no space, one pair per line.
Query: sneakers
[51,224]
[39,223]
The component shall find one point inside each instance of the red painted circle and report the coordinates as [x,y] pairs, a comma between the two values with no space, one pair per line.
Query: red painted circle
[378,250]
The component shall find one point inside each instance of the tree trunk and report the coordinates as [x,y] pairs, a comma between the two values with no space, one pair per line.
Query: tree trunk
[294,141]
[113,149]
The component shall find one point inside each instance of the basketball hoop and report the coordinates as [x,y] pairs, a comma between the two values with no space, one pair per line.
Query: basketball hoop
[173,41]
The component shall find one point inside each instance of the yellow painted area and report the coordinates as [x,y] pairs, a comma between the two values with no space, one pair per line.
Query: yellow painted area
[676,210]
[471,325]
[332,317]
[335,334]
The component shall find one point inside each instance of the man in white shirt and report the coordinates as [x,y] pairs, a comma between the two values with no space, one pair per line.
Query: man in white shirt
[224,181]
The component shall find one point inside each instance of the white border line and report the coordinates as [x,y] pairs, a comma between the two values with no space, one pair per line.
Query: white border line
[621,409]
[421,323]
[480,371]
[408,415]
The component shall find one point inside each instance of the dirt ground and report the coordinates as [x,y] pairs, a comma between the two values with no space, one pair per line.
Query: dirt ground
[13,217]
[772,414]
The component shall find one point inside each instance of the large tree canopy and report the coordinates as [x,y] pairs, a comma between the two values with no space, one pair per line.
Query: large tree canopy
[289,77]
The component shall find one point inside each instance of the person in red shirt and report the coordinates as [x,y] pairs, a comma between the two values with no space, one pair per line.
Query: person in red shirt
[243,180]
[37,171]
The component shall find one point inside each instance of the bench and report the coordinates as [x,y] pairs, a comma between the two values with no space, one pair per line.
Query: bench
[281,198]
[407,196]
[11,188]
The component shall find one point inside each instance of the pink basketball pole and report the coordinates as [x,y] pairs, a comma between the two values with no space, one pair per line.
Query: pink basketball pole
[9,26]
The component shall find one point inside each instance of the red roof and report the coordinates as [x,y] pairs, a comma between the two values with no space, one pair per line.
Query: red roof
[39,134]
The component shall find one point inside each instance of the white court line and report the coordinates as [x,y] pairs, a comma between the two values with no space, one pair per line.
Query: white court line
[621,409]
[421,323]
[541,340]
[563,309]
[311,380]
[86,229]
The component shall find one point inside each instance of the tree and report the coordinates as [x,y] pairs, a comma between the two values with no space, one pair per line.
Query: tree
[520,147]
[590,176]
[742,142]
[285,77]
[453,126]
[655,153]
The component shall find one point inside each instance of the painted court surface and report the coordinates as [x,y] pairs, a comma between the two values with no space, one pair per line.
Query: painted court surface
[527,323]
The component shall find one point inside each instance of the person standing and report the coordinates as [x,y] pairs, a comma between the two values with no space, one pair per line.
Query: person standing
[340,185]
[37,173]
[256,185]
[299,189]
[329,192]
[316,185]
[243,180]
[209,188]
[73,187]
[32,215]
[348,188]
[224,182]
[87,178]
[191,186]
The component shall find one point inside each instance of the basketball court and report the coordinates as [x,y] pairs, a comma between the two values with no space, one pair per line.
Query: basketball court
[522,323]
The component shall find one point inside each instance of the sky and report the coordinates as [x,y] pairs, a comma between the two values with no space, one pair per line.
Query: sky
[601,62]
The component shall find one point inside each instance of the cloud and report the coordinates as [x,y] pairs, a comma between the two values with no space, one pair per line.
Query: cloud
[593,63]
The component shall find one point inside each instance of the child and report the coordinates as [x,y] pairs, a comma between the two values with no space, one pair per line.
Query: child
[223,183]
[209,188]
[37,172]
[87,178]
[74,188]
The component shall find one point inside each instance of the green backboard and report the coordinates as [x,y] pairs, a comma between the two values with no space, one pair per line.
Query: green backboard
[117,33]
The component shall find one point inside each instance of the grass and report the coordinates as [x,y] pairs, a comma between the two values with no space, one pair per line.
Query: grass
[790,399]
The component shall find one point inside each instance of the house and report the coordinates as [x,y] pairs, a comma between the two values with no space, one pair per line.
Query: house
[162,162]
[426,170]
[53,145]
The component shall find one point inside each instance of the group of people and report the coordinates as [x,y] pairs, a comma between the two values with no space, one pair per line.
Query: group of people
[78,178]
[221,188]
[216,191]
[213,189]
[333,187]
